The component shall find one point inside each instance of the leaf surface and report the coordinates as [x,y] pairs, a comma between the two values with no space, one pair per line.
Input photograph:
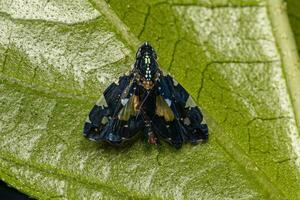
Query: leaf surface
[56,58]
[293,7]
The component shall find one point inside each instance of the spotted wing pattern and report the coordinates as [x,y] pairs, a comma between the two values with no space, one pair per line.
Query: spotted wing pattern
[103,122]
[187,125]
[173,114]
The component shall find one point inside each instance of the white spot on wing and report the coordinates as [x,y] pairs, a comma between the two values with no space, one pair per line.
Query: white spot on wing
[101,101]
[124,101]
[88,119]
[168,101]
[190,102]
[187,121]
[175,82]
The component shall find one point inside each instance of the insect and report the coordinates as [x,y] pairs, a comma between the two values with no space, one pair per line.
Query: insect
[146,102]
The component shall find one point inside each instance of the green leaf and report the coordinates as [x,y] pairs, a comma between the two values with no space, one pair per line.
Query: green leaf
[237,58]
[294,16]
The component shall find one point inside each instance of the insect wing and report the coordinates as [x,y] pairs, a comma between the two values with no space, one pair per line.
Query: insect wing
[102,120]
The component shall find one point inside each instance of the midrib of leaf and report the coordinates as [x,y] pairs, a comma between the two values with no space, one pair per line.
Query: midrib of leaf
[33,75]
[230,147]
[120,27]
[288,50]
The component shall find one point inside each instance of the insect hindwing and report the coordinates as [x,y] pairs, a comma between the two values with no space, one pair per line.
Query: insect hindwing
[163,110]
[129,109]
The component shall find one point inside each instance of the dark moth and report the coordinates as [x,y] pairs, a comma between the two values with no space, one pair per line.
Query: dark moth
[146,102]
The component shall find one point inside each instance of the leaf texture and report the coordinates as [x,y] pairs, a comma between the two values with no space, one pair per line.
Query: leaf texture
[57,57]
